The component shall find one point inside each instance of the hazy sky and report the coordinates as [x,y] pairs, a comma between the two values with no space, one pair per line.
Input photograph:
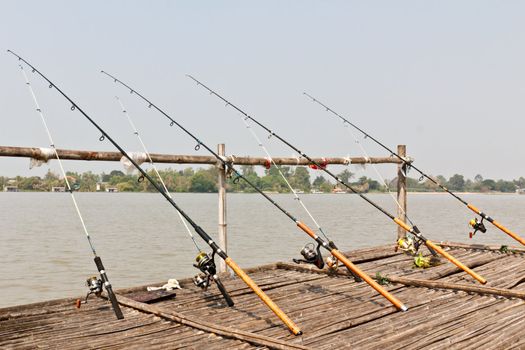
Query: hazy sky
[447,78]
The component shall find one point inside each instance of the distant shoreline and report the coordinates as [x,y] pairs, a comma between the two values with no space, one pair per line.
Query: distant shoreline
[306,193]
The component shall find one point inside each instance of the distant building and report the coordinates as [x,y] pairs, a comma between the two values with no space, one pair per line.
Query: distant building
[10,188]
[520,191]
[102,186]
[58,189]
[111,189]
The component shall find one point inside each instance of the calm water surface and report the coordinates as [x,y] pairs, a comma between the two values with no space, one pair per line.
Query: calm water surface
[44,253]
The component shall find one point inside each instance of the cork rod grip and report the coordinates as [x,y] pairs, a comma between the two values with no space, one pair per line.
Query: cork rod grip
[396,302]
[265,298]
[509,232]
[455,261]
[306,229]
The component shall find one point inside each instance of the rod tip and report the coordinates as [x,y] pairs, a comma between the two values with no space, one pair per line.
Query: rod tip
[299,333]
[404,308]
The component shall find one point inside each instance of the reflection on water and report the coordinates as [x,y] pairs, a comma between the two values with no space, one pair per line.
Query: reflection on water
[44,253]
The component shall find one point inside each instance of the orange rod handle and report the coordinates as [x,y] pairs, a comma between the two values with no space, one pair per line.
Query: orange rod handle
[357,271]
[306,229]
[455,261]
[397,303]
[498,225]
[402,224]
[265,298]
[509,232]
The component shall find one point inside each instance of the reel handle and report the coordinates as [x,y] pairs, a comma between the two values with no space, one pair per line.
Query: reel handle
[224,292]
[107,285]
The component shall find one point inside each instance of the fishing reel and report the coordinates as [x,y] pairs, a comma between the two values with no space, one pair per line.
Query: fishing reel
[206,264]
[477,226]
[94,285]
[408,245]
[311,256]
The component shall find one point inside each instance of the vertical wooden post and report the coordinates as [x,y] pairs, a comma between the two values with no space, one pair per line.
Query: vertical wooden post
[223,242]
[401,190]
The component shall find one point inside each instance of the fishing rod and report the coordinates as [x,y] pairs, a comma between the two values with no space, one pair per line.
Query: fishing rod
[204,263]
[94,284]
[215,248]
[311,255]
[413,230]
[474,223]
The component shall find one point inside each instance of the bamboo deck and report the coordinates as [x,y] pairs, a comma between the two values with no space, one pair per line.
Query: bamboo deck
[334,312]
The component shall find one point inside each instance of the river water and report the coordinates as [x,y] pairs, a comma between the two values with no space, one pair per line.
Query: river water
[44,253]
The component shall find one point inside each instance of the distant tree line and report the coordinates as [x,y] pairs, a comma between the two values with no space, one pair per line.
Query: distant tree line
[205,180]
[458,183]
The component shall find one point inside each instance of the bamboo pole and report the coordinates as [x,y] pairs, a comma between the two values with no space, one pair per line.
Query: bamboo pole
[37,153]
[228,332]
[223,241]
[470,288]
[401,190]
[493,247]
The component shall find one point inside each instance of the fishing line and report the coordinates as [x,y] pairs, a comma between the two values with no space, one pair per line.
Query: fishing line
[259,142]
[477,226]
[52,145]
[135,131]
[346,126]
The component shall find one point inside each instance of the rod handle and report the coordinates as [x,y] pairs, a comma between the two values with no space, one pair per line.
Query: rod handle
[105,280]
[455,261]
[509,232]
[498,225]
[265,298]
[364,276]
[224,292]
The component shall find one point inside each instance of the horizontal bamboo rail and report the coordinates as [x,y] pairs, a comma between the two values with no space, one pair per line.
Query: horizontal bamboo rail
[43,154]
[36,153]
